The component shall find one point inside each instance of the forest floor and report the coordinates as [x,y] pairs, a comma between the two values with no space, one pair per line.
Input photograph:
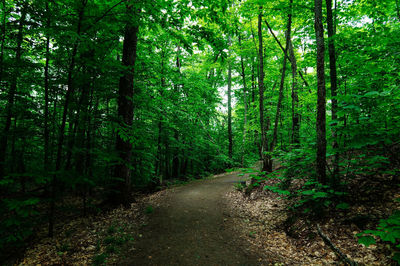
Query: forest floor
[205,222]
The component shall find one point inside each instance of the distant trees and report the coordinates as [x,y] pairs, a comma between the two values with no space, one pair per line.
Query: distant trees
[99,98]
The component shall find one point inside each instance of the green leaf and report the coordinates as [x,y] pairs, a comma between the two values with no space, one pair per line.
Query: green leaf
[366,240]
[396,257]
[371,94]
[342,206]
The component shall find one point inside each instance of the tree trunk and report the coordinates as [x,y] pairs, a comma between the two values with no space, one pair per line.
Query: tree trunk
[11,93]
[295,99]
[321,109]
[69,93]
[125,113]
[3,39]
[46,94]
[283,50]
[281,86]
[230,148]
[264,147]
[333,77]
[160,126]
[244,103]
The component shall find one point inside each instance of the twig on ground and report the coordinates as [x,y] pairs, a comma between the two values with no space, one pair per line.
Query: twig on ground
[335,249]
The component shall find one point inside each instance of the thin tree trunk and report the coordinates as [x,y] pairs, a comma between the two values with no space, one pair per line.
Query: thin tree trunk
[283,50]
[230,148]
[321,109]
[244,102]
[68,94]
[3,39]
[46,94]
[176,151]
[11,93]
[264,147]
[160,126]
[278,107]
[295,99]
[88,154]
[253,83]
[125,112]
[333,77]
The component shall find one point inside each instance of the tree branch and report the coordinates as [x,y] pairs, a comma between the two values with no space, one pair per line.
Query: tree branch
[335,249]
[283,50]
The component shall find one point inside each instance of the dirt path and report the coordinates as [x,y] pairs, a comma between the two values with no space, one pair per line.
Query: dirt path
[190,228]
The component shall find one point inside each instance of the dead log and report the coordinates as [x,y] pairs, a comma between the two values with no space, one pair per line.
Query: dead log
[343,257]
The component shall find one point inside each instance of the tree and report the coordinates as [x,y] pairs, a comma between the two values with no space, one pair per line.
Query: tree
[12,91]
[264,144]
[125,109]
[321,109]
[230,148]
[333,78]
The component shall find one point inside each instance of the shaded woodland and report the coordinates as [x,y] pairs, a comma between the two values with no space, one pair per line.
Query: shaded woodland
[101,100]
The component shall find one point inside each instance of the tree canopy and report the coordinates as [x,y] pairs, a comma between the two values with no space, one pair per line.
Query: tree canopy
[99,99]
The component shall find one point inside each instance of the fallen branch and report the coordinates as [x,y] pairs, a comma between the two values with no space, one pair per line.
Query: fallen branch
[335,249]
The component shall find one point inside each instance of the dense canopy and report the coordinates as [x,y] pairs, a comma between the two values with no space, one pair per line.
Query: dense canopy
[103,98]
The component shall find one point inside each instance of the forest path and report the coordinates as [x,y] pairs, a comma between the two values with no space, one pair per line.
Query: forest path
[190,228]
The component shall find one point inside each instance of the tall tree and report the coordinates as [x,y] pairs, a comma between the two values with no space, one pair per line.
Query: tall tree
[12,91]
[243,74]
[264,145]
[125,108]
[68,96]
[230,148]
[333,77]
[3,39]
[46,92]
[283,74]
[321,108]
[295,98]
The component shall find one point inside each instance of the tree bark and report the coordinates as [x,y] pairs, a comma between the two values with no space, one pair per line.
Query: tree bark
[230,148]
[3,39]
[158,169]
[295,99]
[244,102]
[321,109]
[333,77]
[281,86]
[264,145]
[68,94]
[283,50]
[11,93]
[46,94]
[125,113]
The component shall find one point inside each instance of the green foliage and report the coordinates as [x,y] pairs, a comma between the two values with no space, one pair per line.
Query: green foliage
[100,259]
[179,126]
[239,186]
[149,209]
[388,230]
[16,224]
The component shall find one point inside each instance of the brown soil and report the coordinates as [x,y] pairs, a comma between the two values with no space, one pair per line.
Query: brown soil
[190,227]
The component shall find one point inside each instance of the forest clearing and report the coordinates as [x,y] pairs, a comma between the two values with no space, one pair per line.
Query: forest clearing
[199,132]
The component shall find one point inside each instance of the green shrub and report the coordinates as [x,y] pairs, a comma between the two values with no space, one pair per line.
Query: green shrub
[388,230]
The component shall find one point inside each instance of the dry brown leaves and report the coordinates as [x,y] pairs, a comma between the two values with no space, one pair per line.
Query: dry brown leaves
[79,240]
[259,219]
